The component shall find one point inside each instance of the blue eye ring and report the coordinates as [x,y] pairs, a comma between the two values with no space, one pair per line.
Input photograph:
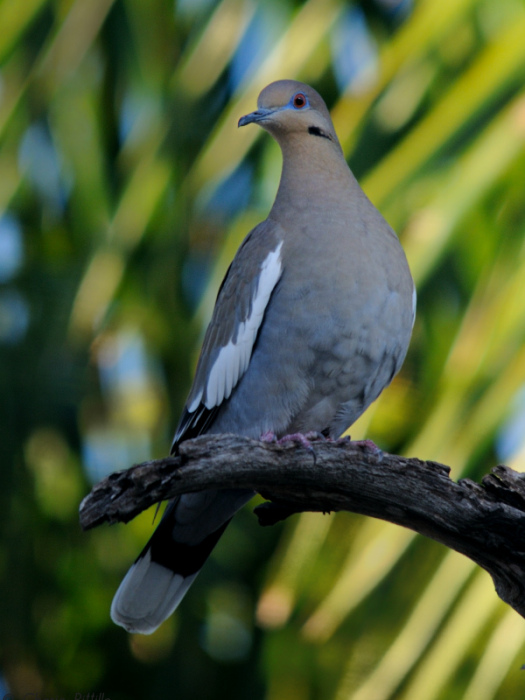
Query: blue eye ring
[299,101]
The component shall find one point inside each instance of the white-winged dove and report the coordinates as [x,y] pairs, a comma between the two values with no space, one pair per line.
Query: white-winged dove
[311,323]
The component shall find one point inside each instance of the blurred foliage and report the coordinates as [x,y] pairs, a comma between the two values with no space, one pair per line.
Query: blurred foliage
[125,190]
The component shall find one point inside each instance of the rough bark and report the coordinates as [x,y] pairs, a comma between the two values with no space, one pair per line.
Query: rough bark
[485,522]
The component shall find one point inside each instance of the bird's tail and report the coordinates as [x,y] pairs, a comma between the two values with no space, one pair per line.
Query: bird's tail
[169,563]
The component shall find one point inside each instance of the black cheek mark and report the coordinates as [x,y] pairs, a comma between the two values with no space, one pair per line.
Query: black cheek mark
[316,131]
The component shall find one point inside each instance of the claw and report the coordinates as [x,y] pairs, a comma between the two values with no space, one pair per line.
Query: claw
[370,446]
[301,439]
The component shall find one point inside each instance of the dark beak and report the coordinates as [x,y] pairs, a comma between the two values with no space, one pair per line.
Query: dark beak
[254,117]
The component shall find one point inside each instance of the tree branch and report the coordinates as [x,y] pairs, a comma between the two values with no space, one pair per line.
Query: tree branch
[485,522]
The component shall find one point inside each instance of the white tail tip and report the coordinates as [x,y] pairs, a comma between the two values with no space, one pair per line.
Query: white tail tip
[148,595]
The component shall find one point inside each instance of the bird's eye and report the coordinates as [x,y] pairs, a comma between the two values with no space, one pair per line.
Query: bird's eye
[299,100]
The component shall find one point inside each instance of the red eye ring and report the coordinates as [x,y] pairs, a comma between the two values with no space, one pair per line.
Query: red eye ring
[299,101]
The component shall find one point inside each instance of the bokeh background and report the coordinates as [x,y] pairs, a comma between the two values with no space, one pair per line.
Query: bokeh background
[125,189]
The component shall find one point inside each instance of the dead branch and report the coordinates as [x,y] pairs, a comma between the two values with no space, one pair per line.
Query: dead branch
[485,522]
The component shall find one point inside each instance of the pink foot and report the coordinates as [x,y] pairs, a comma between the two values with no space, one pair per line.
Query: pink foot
[268,436]
[368,445]
[302,439]
[299,438]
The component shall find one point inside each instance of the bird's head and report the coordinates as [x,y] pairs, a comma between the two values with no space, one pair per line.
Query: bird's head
[289,107]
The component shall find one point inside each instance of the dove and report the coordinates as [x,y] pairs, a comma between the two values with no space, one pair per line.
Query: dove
[312,321]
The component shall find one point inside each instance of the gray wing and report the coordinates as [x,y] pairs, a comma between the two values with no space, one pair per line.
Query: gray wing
[237,317]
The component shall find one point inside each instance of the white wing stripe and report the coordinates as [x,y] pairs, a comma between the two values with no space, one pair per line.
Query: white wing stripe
[233,359]
[195,403]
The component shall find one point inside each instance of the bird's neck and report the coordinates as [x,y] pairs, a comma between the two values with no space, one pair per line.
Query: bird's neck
[314,172]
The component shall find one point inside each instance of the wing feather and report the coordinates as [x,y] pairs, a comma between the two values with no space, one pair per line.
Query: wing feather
[237,318]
